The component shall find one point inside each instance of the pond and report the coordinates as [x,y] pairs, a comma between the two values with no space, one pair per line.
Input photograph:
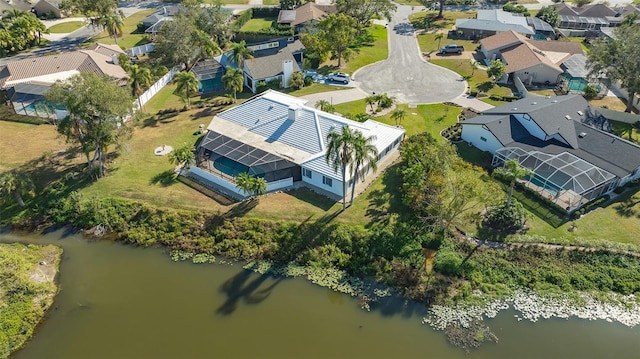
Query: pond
[126,302]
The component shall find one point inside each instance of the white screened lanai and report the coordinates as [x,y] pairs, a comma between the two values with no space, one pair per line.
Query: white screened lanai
[565,179]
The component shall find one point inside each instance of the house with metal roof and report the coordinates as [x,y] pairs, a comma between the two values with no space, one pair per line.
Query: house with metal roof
[273,60]
[576,77]
[532,61]
[568,145]
[28,79]
[491,22]
[279,138]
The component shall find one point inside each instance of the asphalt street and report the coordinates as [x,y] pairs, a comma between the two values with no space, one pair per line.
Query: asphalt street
[404,74]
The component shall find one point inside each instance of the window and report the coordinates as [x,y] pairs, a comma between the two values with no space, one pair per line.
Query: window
[483,139]
[327,181]
[306,173]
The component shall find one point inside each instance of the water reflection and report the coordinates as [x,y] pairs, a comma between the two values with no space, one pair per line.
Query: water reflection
[242,287]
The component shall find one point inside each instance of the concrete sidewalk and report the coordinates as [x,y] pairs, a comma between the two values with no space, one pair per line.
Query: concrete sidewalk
[471,102]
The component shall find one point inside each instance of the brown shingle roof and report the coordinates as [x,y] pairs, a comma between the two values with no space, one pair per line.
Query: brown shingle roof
[557,46]
[523,56]
[310,11]
[80,61]
[501,39]
[106,50]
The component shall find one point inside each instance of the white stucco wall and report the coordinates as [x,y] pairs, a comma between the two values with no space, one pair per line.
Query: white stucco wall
[316,181]
[473,133]
[539,73]
[51,78]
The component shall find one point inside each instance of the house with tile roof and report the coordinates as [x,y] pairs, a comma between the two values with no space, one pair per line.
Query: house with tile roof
[532,61]
[45,7]
[279,138]
[43,71]
[308,14]
[567,143]
[273,60]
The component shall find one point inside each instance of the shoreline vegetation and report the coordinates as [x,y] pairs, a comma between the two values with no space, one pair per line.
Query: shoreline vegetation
[27,289]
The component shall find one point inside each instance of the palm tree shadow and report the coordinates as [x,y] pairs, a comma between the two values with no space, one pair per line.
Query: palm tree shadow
[165,179]
[241,287]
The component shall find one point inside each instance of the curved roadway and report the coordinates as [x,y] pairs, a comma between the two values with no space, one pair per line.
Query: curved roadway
[404,74]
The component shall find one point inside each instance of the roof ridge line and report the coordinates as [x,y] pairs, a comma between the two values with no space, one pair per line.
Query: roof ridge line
[316,118]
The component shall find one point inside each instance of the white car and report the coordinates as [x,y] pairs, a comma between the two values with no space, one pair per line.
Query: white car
[339,77]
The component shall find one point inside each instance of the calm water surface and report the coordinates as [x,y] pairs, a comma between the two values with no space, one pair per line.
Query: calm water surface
[118,301]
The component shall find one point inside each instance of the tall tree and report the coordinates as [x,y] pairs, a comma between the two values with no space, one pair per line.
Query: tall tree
[240,52]
[113,23]
[233,80]
[292,4]
[186,84]
[339,31]
[618,59]
[439,36]
[496,69]
[365,154]
[207,47]
[430,4]
[398,116]
[96,107]
[363,11]
[173,46]
[182,156]
[513,171]
[16,185]
[339,155]
[139,81]
[213,20]
[92,8]
[550,15]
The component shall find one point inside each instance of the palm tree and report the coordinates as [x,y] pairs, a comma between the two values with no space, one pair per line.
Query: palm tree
[398,116]
[259,186]
[439,37]
[139,80]
[206,46]
[253,186]
[325,106]
[512,171]
[340,154]
[16,184]
[186,83]
[240,52]
[182,156]
[233,80]
[364,154]
[371,100]
[114,24]
[13,14]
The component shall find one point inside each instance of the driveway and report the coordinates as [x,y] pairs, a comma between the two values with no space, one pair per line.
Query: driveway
[405,75]
[335,97]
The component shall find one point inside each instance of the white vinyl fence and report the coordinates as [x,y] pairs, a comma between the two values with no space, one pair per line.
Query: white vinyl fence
[164,80]
[522,90]
[140,50]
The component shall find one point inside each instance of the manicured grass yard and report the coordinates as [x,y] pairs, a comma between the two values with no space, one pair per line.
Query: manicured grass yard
[66,27]
[366,55]
[19,147]
[130,38]
[258,24]
[450,17]
[429,44]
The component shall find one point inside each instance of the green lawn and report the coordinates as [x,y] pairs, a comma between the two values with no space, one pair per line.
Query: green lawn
[479,81]
[418,19]
[429,44]
[228,2]
[66,27]
[130,38]
[366,55]
[257,24]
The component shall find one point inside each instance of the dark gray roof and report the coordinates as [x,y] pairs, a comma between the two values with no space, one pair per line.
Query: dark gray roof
[271,65]
[589,143]
[207,69]
[539,25]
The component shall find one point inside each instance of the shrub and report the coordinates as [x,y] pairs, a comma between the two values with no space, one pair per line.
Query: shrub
[590,92]
[506,218]
[244,17]
[447,261]
[308,81]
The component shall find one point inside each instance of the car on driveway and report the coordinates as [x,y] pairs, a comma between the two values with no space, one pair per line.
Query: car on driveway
[339,77]
[451,49]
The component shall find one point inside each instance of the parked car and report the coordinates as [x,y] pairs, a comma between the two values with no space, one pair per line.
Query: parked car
[451,49]
[339,77]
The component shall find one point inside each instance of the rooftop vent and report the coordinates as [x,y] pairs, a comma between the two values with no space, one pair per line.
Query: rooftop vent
[580,113]
[534,103]
[567,117]
[515,109]
[582,135]
[554,101]
[547,96]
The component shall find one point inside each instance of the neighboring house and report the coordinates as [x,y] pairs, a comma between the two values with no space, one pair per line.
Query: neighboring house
[22,5]
[593,16]
[563,140]
[532,61]
[273,60]
[43,71]
[576,77]
[153,22]
[491,22]
[541,28]
[45,7]
[307,15]
[277,137]
[209,73]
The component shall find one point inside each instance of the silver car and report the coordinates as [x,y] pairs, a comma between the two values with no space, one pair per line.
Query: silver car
[339,77]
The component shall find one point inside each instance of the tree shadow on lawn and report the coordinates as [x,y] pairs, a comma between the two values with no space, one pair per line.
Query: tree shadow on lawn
[156,120]
[388,200]
[312,198]
[485,86]
[165,179]
[629,207]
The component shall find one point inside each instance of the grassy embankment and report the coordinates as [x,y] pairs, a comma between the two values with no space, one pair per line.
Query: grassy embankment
[27,289]
[130,36]
[66,27]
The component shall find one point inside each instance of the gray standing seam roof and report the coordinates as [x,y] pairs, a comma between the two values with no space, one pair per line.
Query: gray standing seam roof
[539,25]
[576,66]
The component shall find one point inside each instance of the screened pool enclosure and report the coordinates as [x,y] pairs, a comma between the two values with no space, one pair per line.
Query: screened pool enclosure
[227,158]
[563,178]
